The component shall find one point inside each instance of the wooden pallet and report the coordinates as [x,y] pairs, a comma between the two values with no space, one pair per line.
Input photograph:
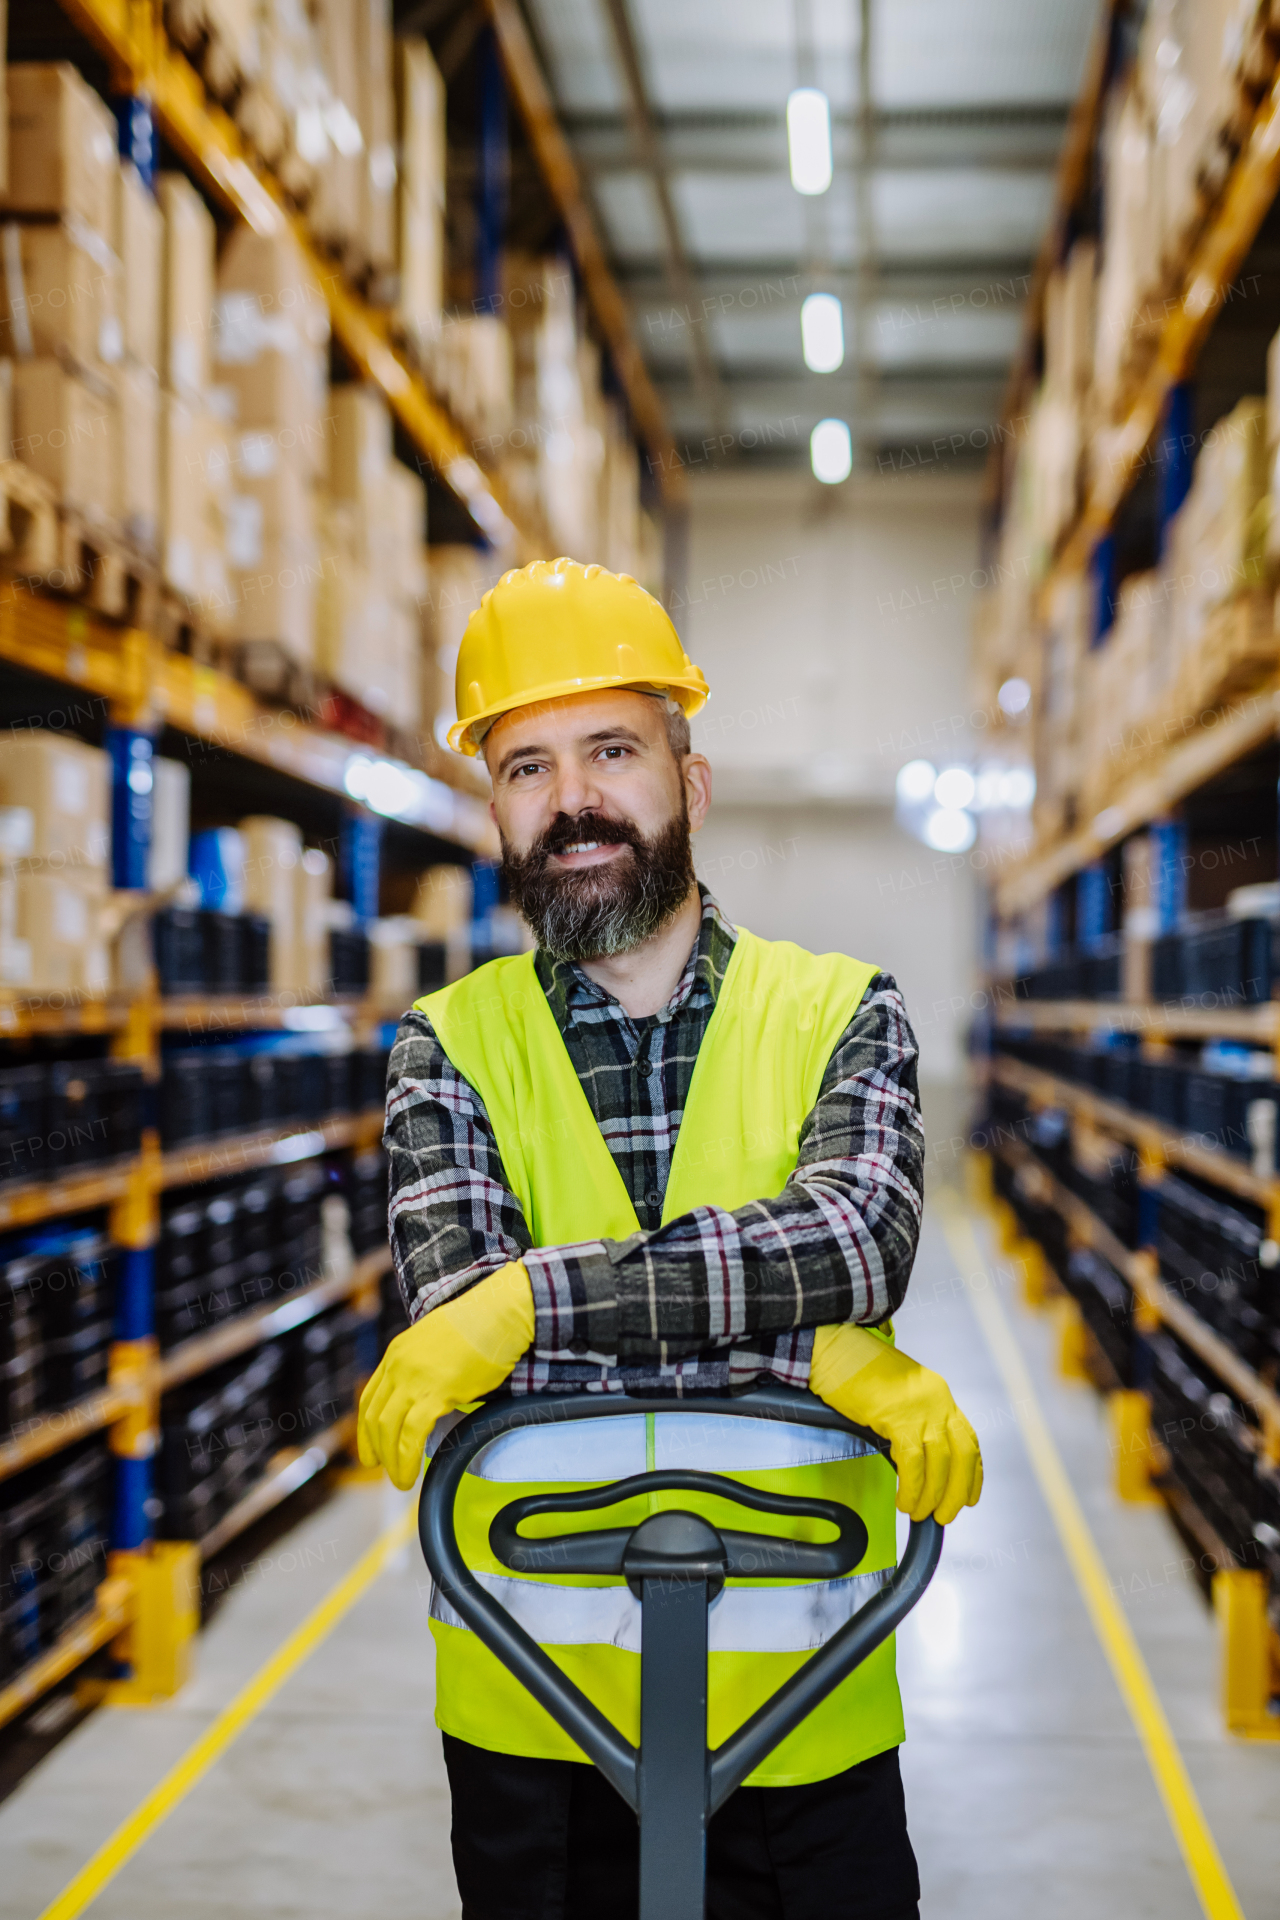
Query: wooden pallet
[1241,646]
[269,670]
[183,627]
[200,30]
[28,521]
[63,551]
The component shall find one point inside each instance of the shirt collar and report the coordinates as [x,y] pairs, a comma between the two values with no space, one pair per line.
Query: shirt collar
[569,989]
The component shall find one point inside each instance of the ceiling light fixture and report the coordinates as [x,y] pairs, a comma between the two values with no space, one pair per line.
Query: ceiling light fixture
[809,140]
[822,332]
[831,452]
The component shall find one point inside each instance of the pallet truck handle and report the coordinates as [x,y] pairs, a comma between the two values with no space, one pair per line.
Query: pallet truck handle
[730,1763]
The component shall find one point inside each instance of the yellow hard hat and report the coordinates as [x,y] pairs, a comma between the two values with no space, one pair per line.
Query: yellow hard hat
[556,628]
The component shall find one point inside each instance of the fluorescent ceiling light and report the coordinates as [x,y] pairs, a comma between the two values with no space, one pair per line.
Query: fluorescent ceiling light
[954,787]
[948,830]
[809,140]
[915,780]
[822,332]
[831,452]
[1014,696]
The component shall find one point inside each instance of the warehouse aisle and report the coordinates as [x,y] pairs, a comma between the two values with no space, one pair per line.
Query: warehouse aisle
[1027,1786]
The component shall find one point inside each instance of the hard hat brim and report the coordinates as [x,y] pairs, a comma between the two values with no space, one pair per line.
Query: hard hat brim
[466,736]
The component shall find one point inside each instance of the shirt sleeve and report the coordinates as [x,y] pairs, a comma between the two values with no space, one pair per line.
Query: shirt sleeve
[452,1215]
[836,1244]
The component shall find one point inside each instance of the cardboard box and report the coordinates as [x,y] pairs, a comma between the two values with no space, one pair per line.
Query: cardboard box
[138,449]
[62,145]
[403,512]
[377,235]
[277,599]
[183,493]
[139,242]
[360,442]
[271,342]
[420,209]
[60,294]
[64,428]
[271,504]
[443,901]
[333,212]
[167,862]
[67,787]
[187,285]
[272,851]
[313,891]
[58,917]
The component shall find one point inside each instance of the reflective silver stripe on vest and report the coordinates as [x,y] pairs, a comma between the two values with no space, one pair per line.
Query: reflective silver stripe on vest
[742,1619]
[614,1448]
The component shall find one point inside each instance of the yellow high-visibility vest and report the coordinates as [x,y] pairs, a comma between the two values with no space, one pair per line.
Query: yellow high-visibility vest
[776,1022]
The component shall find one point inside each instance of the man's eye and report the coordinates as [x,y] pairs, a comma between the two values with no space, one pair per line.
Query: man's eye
[530,766]
[615,753]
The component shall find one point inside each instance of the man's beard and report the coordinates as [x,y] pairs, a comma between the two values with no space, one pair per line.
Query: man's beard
[584,913]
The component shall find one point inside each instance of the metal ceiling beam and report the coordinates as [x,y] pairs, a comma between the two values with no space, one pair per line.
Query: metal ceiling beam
[998,284]
[537,109]
[647,147]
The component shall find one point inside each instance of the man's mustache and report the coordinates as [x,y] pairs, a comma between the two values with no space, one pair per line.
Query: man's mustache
[566,830]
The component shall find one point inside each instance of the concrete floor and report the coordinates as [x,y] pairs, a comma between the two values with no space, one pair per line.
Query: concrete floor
[1027,1788]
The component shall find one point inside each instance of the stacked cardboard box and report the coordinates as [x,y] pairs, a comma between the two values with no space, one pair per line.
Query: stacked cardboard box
[139,245]
[334,211]
[1172,131]
[372,583]
[193,464]
[1217,543]
[459,579]
[60,310]
[420,103]
[58,879]
[271,335]
[375,67]
[292,887]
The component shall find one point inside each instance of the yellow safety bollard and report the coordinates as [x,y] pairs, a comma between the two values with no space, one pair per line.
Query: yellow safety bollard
[1135,1456]
[165,1576]
[1073,1340]
[1248,1670]
[1039,1282]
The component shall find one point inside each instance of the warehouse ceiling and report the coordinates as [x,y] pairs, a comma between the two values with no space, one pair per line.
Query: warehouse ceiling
[946,125]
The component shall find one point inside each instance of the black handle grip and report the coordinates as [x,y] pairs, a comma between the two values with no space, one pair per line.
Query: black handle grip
[580,1718]
[763,1556]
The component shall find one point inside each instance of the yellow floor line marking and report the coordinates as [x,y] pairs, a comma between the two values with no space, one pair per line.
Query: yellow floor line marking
[1191,1829]
[230,1723]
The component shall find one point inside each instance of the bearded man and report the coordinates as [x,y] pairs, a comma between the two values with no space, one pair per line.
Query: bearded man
[655,1156]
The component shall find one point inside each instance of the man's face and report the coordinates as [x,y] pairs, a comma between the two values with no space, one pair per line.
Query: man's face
[595,813]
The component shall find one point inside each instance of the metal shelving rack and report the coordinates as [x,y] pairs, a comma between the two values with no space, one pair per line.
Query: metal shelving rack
[1172,772]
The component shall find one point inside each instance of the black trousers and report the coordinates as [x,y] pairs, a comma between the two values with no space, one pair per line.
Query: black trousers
[551,1840]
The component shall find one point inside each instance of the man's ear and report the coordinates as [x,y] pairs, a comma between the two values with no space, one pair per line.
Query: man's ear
[696,774]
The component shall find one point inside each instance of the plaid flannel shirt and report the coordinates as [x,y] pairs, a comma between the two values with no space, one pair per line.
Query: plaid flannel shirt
[714,1300]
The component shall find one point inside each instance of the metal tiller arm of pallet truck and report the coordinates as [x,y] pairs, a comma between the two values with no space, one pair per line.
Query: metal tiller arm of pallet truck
[676,1564]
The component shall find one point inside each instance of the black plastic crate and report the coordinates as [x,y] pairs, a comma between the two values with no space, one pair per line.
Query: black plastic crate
[178,942]
[123,1095]
[23,1122]
[433,960]
[369,1072]
[340,1080]
[229,1102]
[348,960]
[186,1109]
[223,958]
[256,951]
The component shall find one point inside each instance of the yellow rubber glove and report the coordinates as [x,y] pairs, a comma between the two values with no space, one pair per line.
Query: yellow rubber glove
[453,1355]
[934,1448]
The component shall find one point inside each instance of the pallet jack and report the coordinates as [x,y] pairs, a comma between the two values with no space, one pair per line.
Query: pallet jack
[676,1563]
